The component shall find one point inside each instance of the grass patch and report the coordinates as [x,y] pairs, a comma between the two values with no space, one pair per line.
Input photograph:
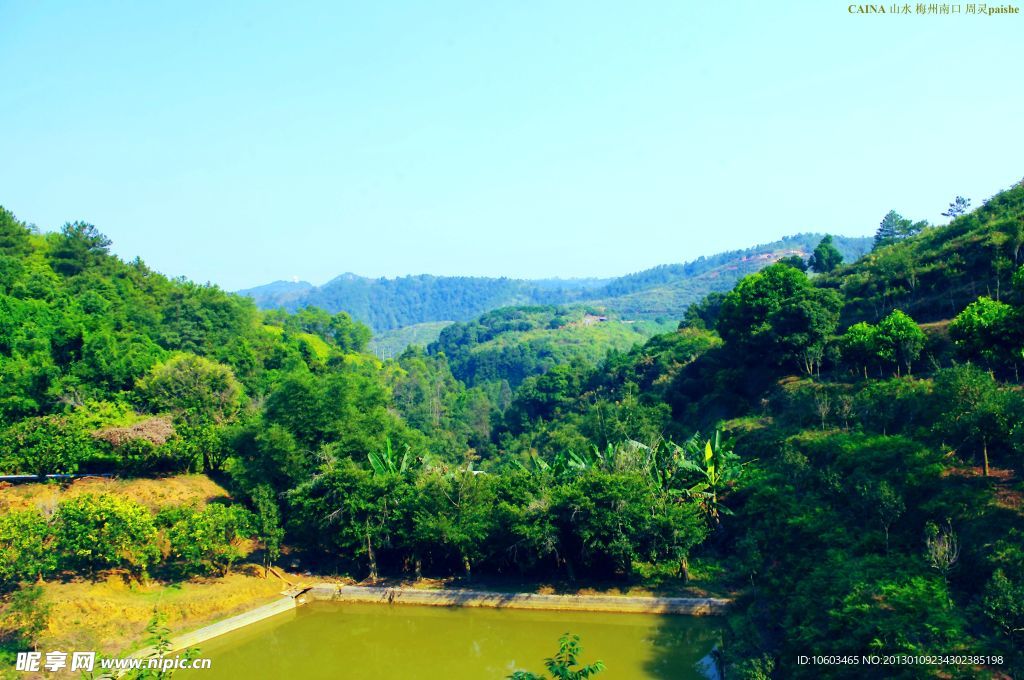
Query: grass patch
[111,615]
[154,494]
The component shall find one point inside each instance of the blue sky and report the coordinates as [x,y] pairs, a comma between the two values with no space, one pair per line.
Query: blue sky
[243,143]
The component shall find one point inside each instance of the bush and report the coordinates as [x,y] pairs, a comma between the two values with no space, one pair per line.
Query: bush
[26,547]
[208,540]
[45,445]
[105,531]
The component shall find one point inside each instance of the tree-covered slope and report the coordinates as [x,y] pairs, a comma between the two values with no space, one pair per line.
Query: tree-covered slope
[877,505]
[387,304]
[664,291]
[936,273]
[853,478]
[348,462]
[392,343]
[513,343]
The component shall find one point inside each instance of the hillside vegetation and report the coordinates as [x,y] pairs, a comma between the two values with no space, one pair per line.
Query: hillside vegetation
[854,477]
[389,344]
[937,273]
[661,292]
[514,343]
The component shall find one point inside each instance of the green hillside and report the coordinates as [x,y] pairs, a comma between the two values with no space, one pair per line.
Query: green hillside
[514,343]
[661,292]
[388,304]
[665,292]
[875,503]
[850,475]
[391,343]
[937,273]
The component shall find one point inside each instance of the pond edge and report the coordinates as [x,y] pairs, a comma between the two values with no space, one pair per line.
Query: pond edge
[687,606]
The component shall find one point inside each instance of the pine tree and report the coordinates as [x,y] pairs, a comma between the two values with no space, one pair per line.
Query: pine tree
[958,207]
[892,228]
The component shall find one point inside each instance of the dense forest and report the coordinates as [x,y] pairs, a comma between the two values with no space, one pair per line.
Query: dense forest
[839,445]
[663,292]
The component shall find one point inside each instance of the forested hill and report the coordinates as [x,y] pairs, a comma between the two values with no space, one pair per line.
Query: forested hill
[799,441]
[664,291]
[387,304]
[876,500]
[935,274]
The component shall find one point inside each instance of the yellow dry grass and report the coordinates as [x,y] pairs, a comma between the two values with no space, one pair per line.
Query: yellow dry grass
[111,616]
[152,493]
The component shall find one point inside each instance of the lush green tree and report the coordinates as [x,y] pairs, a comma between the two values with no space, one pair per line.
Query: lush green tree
[452,517]
[78,247]
[826,257]
[337,329]
[267,525]
[269,455]
[900,340]
[1004,605]
[989,331]
[745,310]
[609,521]
[704,313]
[972,412]
[777,313]
[197,389]
[890,229]
[894,227]
[910,615]
[525,533]
[881,499]
[1018,281]
[14,236]
[105,531]
[803,326]
[208,540]
[26,547]
[859,346]
[196,441]
[45,445]
[348,511]
[349,335]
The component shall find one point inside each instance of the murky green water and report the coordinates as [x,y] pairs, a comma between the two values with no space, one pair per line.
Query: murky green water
[327,640]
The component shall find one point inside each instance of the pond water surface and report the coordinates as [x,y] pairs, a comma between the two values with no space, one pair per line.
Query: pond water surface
[333,640]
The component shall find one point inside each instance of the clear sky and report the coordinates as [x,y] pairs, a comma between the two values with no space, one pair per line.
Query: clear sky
[241,143]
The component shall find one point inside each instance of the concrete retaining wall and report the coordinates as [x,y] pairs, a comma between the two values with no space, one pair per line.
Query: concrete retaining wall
[692,606]
[227,625]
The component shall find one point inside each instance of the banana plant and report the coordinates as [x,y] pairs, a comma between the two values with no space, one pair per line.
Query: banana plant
[715,466]
[388,462]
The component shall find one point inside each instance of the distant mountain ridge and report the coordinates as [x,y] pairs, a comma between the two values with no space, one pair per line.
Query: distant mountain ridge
[662,291]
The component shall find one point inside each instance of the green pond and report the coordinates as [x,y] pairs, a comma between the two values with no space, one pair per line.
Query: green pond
[330,640]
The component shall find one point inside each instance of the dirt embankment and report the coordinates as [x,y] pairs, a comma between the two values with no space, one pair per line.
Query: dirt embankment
[154,494]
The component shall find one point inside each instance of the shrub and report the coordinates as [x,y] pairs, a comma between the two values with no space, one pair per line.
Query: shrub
[208,540]
[26,550]
[105,531]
